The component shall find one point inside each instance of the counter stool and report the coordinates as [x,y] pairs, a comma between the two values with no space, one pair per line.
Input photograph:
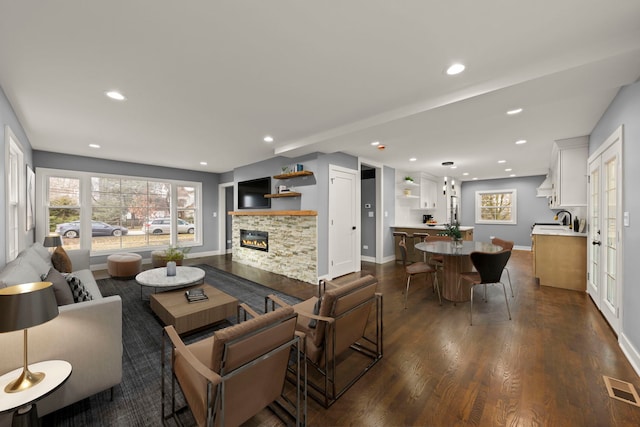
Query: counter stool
[418,238]
[124,265]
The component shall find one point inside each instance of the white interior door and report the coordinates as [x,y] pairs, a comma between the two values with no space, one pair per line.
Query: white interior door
[605,216]
[594,239]
[343,221]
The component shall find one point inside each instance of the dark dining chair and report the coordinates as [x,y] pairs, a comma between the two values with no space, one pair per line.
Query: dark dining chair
[506,245]
[489,266]
[415,269]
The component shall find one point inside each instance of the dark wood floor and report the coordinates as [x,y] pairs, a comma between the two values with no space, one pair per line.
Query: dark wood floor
[543,368]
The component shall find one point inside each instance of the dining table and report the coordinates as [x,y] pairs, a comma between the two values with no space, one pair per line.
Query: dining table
[456,260]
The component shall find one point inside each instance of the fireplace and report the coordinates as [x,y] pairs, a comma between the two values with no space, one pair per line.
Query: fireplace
[252,239]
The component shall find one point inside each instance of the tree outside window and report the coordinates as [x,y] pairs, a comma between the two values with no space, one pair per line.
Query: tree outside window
[496,207]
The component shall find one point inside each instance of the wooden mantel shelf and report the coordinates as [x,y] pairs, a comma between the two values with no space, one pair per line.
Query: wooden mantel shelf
[274,213]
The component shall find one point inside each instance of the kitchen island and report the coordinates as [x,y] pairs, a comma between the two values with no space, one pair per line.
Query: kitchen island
[415,255]
[559,257]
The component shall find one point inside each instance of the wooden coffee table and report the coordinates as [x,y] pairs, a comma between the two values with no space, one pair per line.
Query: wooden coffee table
[173,308]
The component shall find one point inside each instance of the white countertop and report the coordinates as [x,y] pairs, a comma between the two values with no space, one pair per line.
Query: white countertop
[556,230]
[429,227]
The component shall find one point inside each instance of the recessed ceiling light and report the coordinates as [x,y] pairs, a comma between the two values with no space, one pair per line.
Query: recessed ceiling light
[374,143]
[94,145]
[114,94]
[508,170]
[475,178]
[466,173]
[502,161]
[203,163]
[521,141]
[513,174]
[413,159]
[268,138]
[514,111]
[455,69]
[454,167]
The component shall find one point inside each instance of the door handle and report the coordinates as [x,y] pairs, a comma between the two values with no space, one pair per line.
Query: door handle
[596,242]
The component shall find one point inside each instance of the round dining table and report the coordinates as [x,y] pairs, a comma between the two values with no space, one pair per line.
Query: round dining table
[456,260]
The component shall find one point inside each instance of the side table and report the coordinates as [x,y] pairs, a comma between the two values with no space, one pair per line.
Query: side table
[23,402]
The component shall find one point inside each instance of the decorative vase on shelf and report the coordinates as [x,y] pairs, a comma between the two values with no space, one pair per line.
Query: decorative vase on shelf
[407,192]
[171,268]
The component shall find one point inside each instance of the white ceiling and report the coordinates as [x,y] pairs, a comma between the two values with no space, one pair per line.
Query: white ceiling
[207,80]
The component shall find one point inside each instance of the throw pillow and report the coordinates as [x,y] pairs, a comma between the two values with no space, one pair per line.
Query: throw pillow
[61,261]
[18,271]
[61,288]
[79,292]
[33,257]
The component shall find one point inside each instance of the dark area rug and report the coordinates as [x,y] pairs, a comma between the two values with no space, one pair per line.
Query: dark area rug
[137,400]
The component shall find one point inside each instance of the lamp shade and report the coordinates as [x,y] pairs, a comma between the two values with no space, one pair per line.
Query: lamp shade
[26,305]
[52,241]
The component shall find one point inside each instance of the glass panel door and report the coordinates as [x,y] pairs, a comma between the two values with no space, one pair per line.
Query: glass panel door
[605,212]
[593,239]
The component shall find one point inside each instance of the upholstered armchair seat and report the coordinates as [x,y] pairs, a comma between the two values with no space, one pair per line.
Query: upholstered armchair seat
[238,371]
[334,323]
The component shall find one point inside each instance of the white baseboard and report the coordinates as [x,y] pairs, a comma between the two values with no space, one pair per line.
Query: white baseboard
[630,351]
[367,258]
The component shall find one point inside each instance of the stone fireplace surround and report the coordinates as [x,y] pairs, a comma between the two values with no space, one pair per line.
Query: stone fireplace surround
[293,242]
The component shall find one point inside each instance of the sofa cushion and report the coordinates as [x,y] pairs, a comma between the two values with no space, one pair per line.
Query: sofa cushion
[61,288]
[61,261]
[18,271]
[40,264]
[78,289]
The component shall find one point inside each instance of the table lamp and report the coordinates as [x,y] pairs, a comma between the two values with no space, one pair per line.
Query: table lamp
[21,307]
[52,241]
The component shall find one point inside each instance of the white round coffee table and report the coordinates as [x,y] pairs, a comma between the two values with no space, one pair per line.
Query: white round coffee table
[157,278]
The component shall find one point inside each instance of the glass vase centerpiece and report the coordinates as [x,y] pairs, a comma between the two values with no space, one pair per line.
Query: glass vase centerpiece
[453,230]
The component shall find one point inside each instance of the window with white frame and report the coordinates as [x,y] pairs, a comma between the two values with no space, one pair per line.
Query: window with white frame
[107,213]
[15,191]
[496,207]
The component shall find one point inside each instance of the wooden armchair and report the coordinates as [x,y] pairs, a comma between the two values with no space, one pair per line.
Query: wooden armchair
[333,324]
[240,370]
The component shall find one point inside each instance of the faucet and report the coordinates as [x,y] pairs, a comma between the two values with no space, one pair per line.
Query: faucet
[564,217]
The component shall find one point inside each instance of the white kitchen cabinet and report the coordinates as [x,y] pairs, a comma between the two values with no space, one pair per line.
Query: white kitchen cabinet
[428,194]
[568,173]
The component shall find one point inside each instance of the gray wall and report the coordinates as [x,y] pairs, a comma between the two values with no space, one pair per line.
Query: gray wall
[88,164]
[367,223]
[8,118]
[530,208]
[625,110]
[305,185]
[389,209]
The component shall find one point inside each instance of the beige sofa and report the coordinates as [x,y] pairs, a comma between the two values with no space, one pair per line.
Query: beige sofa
[86,334]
